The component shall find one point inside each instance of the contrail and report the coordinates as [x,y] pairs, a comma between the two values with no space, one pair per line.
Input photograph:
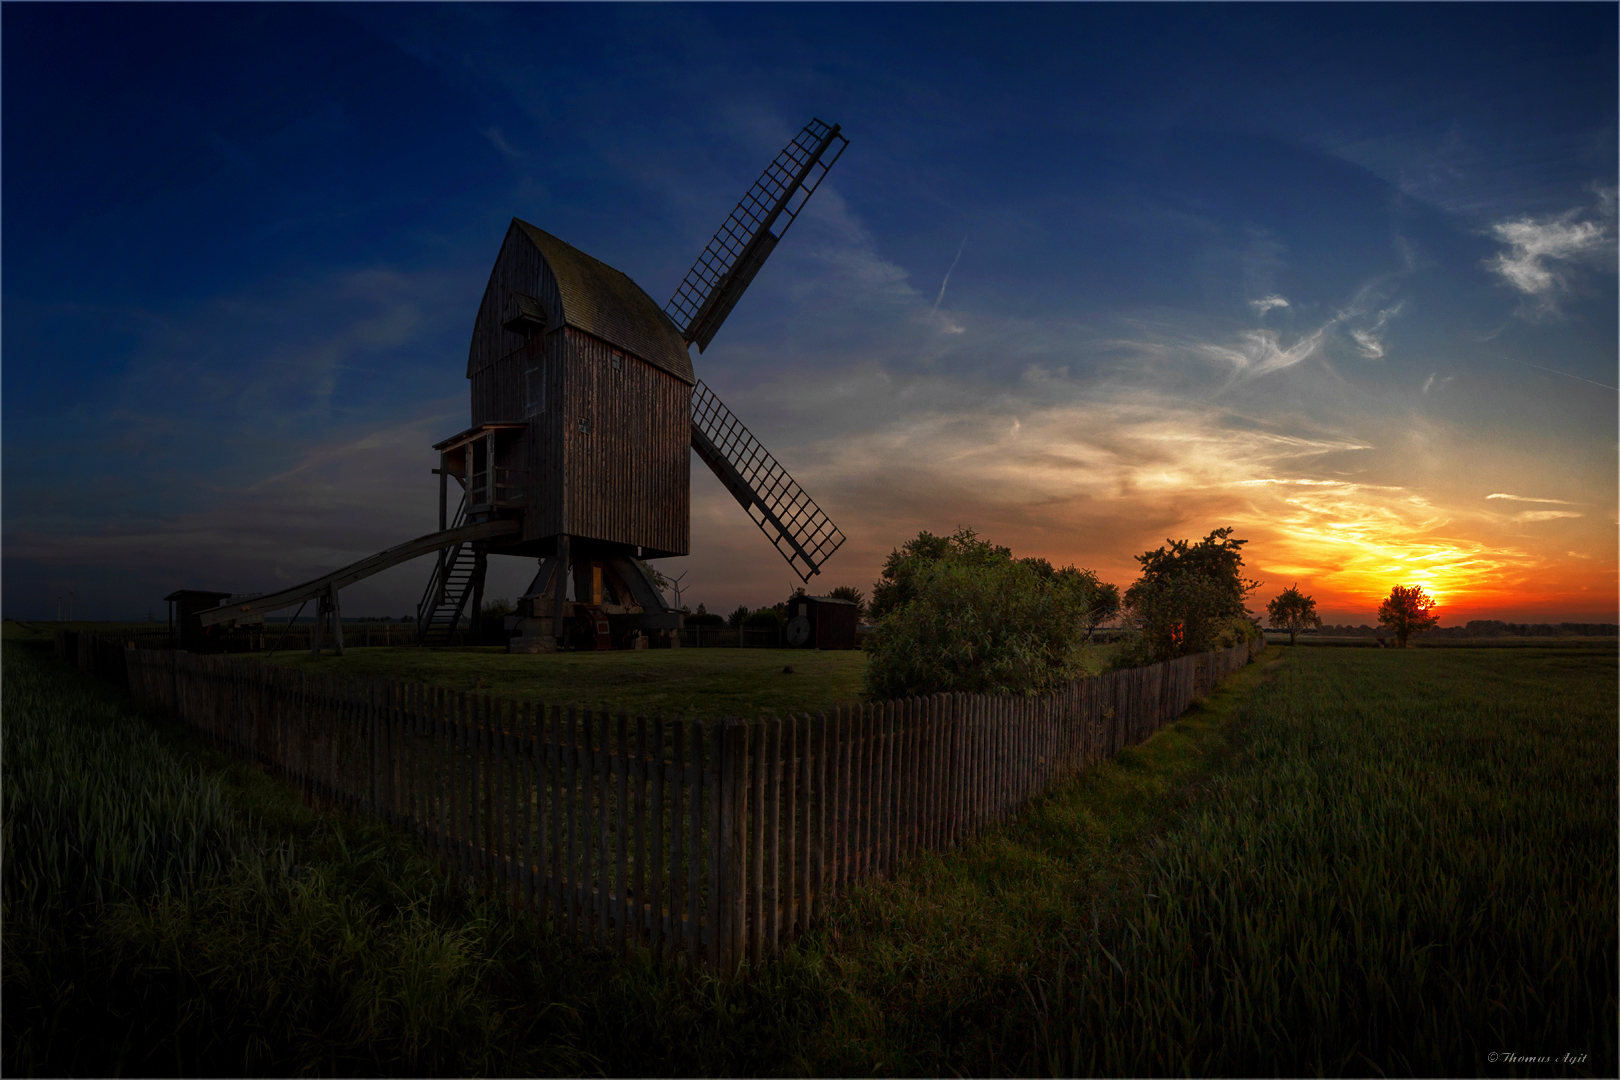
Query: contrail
[947,280]
[1565,374]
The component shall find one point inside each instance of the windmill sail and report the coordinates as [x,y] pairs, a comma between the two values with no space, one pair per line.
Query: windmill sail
[717,280]
[787,516]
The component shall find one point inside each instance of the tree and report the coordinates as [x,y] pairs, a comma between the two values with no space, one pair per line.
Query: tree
[854,596]
[1292,611]
[1189,599]
[735,619]
[1407,611]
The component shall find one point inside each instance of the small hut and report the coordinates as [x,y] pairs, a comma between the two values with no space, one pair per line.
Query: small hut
[821,622]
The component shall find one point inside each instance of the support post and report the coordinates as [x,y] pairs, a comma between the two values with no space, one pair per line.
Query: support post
[559,579]
[337,621]
[489,468]
[480,565]
[444,496]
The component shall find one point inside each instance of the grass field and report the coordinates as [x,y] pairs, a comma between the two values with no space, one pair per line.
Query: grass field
[1396,862]
[1599,644]
[1346,861]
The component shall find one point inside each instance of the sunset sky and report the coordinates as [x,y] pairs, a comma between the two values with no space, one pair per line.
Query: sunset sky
[1087,278]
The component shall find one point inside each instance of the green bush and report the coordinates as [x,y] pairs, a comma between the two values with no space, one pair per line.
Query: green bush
[904,566]
[991,626]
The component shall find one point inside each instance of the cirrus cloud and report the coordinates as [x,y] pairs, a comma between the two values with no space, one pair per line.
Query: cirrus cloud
[1543,253]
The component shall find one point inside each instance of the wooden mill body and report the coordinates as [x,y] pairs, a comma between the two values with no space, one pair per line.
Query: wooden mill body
[581,431]
[582,388]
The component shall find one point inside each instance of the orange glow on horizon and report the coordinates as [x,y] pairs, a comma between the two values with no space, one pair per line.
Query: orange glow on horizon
[1353,543]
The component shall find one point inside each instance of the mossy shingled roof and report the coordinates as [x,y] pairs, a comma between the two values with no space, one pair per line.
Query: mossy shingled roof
[606,303]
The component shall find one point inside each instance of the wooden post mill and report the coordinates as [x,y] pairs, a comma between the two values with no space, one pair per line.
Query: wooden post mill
[585,410]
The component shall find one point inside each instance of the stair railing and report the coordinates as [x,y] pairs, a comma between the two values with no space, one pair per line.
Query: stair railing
[433,595]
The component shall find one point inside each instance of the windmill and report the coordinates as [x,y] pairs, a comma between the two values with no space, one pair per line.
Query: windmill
[585,414]
[585,411]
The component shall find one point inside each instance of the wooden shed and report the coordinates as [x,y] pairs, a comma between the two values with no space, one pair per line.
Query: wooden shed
[821,622]
[186,630]
[581,400]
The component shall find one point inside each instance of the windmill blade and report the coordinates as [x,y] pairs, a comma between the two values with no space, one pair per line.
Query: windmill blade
[717,280]
[789,518]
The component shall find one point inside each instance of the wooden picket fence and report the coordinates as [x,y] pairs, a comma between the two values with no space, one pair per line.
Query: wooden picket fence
[718,840]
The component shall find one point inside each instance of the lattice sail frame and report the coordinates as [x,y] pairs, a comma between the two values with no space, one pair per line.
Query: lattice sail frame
[790,519]
[716,281]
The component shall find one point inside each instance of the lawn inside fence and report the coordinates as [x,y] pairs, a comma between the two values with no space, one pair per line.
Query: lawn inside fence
[693,682]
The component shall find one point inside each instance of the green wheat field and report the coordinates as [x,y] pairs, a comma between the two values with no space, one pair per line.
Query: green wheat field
[1347,861]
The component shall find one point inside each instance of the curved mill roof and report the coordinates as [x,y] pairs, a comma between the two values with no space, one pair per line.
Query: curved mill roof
[592,296]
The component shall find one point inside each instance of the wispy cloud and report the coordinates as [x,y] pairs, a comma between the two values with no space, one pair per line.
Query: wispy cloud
[1261,351]
[1542,253]
[845,245]
[947,281]
[1546,515]
[1528,498]
[496,136]
[1258,352]
[1538,515]
[1370,338]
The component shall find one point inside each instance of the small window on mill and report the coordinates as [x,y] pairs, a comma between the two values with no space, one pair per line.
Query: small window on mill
[616,358]
[585,425]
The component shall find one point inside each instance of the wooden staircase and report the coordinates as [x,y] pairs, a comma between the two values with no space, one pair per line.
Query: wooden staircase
[456,584]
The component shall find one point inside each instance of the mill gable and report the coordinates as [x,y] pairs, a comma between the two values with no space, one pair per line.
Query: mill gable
[583,388]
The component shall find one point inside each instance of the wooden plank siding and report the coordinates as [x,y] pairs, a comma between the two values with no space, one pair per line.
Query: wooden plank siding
[520,268]
[719,841]
[627,479]
[608,445]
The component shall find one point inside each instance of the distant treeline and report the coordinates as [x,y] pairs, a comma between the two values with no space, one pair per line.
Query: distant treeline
[1483,628]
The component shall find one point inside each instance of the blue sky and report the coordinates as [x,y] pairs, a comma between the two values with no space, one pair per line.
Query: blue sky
[1087,277]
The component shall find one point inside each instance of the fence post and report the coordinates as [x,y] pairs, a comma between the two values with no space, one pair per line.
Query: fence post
[818,786]
[718,904]
[772,770]
[659,896]
[755,730]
